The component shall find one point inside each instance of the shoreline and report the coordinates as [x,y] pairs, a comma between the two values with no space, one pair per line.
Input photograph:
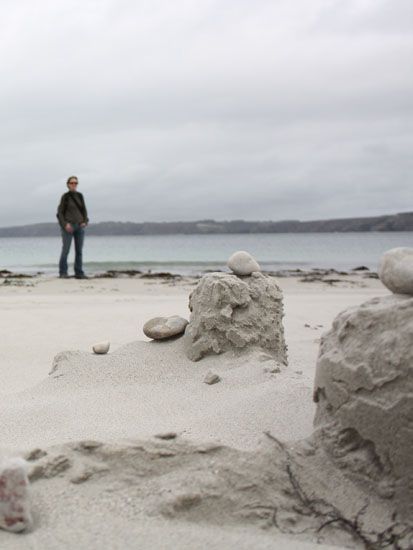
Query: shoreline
[316,273]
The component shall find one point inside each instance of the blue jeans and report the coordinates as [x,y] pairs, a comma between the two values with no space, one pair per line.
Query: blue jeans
[79,236]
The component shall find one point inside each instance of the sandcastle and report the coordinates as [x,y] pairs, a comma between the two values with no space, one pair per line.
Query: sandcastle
[230,312]
[364,389]
[235,312]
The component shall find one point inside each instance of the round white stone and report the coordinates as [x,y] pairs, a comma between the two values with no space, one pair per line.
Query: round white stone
[242,263]
[396,270]
[101,347]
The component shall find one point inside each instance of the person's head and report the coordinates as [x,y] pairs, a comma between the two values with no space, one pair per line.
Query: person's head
[72,183]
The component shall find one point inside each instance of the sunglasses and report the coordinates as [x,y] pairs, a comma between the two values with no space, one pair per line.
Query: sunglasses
[73,182]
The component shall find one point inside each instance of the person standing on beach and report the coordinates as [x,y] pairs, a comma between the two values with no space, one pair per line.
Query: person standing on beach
[73,219]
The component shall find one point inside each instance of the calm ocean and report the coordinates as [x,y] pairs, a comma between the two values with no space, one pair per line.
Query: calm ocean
[192,254]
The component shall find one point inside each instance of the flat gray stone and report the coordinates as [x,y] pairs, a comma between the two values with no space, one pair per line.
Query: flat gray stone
[160,328]
[167,436]
[211,378]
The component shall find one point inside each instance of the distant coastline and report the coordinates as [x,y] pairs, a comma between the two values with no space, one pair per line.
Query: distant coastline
[392,222]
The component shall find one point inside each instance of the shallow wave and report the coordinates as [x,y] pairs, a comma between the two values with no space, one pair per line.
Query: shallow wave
[176,267]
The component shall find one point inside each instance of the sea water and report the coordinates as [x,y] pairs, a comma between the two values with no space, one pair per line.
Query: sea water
[194,254]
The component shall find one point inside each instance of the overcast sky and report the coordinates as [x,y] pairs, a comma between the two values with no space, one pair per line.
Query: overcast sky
[192,109]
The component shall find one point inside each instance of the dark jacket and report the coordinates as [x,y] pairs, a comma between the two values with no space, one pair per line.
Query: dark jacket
[72,209]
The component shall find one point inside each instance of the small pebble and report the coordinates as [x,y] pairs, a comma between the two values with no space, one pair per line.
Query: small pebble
[211,378]
[101,348]
[167,435]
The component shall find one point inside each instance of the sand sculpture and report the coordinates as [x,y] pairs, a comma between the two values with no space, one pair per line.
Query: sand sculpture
[364,391]
[232,312]
[364,387]
[350,483]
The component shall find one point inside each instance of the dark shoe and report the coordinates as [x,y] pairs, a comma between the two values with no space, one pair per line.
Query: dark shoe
[82,276]
[64,276]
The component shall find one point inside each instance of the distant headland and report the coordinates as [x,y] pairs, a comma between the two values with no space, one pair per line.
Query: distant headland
[393,222]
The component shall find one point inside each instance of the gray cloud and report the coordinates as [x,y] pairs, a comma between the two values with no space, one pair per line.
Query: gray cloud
[188,110]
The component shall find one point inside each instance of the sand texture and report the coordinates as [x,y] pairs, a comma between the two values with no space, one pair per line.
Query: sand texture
[132,449]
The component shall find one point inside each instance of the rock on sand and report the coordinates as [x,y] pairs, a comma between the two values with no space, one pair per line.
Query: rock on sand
[101,348]
[211,378]
[160,328]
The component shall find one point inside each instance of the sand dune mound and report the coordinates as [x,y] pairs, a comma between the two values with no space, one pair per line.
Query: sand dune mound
[146,387]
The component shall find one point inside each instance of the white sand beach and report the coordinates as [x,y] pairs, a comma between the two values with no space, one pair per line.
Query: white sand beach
[206,275]
[141,389]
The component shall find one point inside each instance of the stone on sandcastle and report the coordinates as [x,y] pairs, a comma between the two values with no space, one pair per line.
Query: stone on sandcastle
[161,328]
[242,263]
[14,506]
[229,313]
[396,270]
[364,391]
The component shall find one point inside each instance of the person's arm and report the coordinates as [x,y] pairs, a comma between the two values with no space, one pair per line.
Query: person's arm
[86,219]
[61,215]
